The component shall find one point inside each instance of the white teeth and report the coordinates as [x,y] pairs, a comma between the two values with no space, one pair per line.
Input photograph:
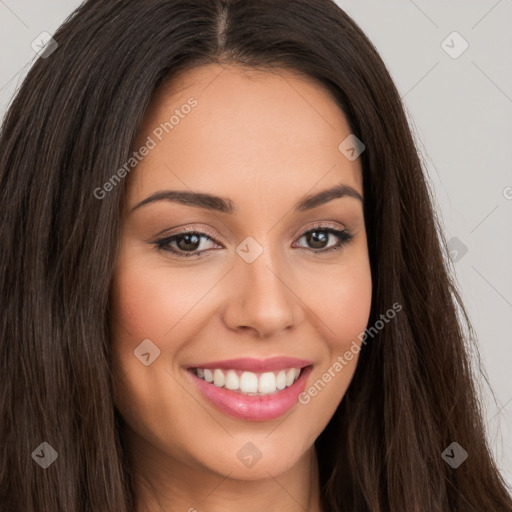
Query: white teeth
[232,380]
[281,380]
[218,378]
[267,383]
[251,383]
[290,377]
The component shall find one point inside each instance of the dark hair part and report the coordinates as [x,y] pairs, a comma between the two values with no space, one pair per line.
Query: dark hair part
[74,122]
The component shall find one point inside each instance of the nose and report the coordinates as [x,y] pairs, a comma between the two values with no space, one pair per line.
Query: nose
[263,298]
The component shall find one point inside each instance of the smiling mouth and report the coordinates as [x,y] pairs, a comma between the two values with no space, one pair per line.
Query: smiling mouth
[240,388]
[249,383]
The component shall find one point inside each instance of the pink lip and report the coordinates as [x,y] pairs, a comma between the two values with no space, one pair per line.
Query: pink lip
[253,408]
[249,364]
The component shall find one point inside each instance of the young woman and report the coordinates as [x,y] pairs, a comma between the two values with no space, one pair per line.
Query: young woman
[223,283]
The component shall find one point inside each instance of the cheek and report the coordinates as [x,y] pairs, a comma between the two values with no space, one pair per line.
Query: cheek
[342,303]
[349,320]
[341,298]
[149,301]
[157,302]
[138,302]
[141,309]
[346,309]
[146,304]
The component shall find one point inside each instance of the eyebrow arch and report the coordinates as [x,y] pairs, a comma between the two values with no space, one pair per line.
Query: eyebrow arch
[219,204]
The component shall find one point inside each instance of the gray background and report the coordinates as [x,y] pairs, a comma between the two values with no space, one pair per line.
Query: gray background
[460,110]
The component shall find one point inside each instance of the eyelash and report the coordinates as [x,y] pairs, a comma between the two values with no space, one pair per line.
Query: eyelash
[344,235]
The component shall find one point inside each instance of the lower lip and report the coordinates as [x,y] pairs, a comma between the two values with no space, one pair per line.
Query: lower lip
[253,408]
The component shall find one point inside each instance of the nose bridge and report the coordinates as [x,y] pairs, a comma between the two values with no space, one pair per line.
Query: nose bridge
[264,300]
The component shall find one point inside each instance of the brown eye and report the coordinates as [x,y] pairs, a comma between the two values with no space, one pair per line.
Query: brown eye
[188,242]
[318,238]
[184,244]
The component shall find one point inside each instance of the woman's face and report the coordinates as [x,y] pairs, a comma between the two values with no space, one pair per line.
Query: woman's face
[258,278]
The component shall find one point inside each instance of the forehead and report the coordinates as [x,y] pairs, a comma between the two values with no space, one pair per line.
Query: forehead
[265,132]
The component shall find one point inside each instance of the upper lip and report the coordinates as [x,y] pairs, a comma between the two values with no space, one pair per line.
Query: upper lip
[251,364]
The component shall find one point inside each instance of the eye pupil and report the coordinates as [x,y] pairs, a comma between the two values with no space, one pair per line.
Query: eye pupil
[315,237]
[188,237]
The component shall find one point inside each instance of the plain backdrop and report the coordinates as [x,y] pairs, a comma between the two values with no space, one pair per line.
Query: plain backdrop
[451,63]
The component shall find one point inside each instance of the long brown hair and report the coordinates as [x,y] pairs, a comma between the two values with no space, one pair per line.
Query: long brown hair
[73,123]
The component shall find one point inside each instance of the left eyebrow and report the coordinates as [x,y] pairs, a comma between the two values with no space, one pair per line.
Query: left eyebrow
[223,205]
[314,200]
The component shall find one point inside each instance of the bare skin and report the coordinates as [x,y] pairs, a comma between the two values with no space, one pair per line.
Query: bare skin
[265,141]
